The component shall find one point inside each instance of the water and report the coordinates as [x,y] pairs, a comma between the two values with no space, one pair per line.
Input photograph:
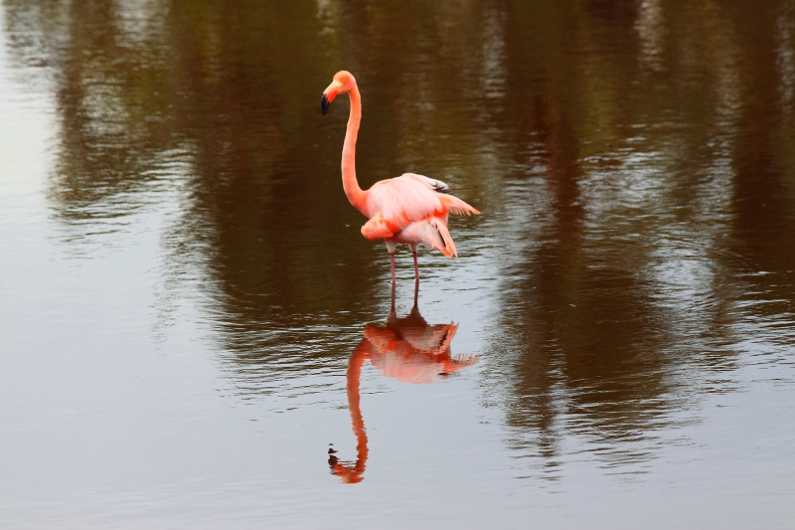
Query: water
[190,318]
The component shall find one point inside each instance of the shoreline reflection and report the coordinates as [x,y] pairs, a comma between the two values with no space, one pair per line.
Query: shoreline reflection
[407,349]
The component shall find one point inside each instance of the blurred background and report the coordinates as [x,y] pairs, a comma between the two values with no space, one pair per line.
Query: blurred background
[184,281]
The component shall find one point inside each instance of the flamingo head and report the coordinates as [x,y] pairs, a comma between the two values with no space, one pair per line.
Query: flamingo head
[343,82]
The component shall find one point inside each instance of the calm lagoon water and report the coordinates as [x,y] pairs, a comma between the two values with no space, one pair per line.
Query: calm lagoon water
[190,320]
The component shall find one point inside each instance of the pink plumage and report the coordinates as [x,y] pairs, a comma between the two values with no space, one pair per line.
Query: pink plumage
[410,209]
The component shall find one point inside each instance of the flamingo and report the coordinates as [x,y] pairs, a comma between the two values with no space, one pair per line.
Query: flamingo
[409,209]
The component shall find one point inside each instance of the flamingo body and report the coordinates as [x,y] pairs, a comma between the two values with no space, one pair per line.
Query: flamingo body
[410,209]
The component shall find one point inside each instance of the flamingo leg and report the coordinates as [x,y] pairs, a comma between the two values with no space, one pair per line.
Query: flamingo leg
[416,277]
[392,266]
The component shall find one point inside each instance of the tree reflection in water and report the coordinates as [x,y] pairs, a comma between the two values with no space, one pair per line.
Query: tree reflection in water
[408,349]
[633,161]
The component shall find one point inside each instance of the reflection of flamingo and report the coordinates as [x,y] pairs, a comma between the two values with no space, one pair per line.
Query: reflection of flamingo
[408,209]
[405,348]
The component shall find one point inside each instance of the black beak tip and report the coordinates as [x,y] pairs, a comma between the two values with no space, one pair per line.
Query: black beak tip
[324,104]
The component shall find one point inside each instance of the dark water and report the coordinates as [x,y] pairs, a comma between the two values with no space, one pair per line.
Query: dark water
[190,315]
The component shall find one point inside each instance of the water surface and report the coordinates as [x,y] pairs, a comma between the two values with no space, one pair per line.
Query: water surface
[190,316]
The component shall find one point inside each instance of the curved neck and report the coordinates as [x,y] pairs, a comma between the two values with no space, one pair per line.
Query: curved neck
[349,183]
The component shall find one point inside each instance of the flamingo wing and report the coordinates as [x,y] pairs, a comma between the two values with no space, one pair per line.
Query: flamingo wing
[403,200]
[432,184]
[379,227]
[450,202]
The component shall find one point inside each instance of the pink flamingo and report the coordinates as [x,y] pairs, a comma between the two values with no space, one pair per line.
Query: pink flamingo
[409,209]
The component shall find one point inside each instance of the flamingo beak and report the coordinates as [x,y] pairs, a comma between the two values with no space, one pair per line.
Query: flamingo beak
[328,96]
[324,103]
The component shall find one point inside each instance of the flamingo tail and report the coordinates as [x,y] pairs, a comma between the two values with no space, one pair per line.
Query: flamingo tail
[433,233]
[457,206]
